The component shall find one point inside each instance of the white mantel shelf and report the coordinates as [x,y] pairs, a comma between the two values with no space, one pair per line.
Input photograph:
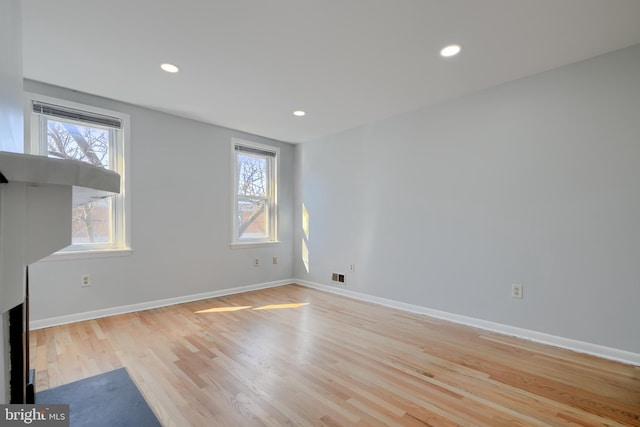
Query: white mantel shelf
[88,182]
[37,194]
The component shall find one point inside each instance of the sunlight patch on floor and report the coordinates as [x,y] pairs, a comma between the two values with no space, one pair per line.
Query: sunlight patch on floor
[223,309]
[246,307]
[277,306]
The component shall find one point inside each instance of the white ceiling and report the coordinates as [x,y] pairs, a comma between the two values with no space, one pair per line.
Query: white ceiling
[247,64]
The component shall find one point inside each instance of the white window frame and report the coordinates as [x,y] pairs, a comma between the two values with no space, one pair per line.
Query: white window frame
[272,206]
[36,143]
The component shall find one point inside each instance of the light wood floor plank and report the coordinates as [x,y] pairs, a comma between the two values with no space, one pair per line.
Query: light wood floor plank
[334,362]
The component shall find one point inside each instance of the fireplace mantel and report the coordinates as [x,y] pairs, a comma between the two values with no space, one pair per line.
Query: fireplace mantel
[37,194]
[88,182]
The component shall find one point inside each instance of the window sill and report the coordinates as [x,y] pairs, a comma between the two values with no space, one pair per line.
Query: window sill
[249,245]
[75,255]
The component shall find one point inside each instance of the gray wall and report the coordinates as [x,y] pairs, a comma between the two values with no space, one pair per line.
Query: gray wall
[11,77]
[533,182]
[10,124]
[181,220]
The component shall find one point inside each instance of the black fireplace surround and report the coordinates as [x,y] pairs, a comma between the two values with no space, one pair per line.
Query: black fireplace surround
[21,378]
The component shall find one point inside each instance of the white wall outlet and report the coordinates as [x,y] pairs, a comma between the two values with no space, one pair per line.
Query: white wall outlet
[256,262]
[517,291]
[352,268]
[85,281]
[275,259]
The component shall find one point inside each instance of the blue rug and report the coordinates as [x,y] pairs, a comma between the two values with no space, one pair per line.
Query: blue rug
[110,399]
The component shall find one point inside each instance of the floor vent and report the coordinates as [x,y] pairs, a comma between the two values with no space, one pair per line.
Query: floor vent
[337,278]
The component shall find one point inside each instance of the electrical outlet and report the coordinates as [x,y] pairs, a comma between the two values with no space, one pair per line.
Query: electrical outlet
[516,291]
[256,262]
[352,268]
[85,281]
[275,259]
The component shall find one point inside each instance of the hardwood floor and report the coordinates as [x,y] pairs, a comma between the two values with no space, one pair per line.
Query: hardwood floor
[334,361]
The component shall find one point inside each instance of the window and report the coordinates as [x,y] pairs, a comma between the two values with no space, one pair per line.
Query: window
[66,130]
[254,192]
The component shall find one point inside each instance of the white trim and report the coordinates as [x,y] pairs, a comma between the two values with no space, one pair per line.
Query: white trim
[249,245]
[106,312]
[122,165]
[73,255]
[566,343]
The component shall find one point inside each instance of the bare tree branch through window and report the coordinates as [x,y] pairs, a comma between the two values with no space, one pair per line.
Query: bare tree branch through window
[91,145]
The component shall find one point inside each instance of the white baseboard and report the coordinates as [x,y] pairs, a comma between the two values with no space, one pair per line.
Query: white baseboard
[567,343]
[96,314]
[570,344]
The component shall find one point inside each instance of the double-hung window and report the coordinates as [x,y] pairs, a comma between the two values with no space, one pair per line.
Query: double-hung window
[254,193]
[65,130]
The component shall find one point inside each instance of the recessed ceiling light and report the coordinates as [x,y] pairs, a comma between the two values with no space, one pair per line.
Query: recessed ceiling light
[169,68]
[451,50]
[299,113]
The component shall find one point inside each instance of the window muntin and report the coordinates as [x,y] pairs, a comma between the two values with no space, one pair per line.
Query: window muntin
[254,203]
[60,129]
